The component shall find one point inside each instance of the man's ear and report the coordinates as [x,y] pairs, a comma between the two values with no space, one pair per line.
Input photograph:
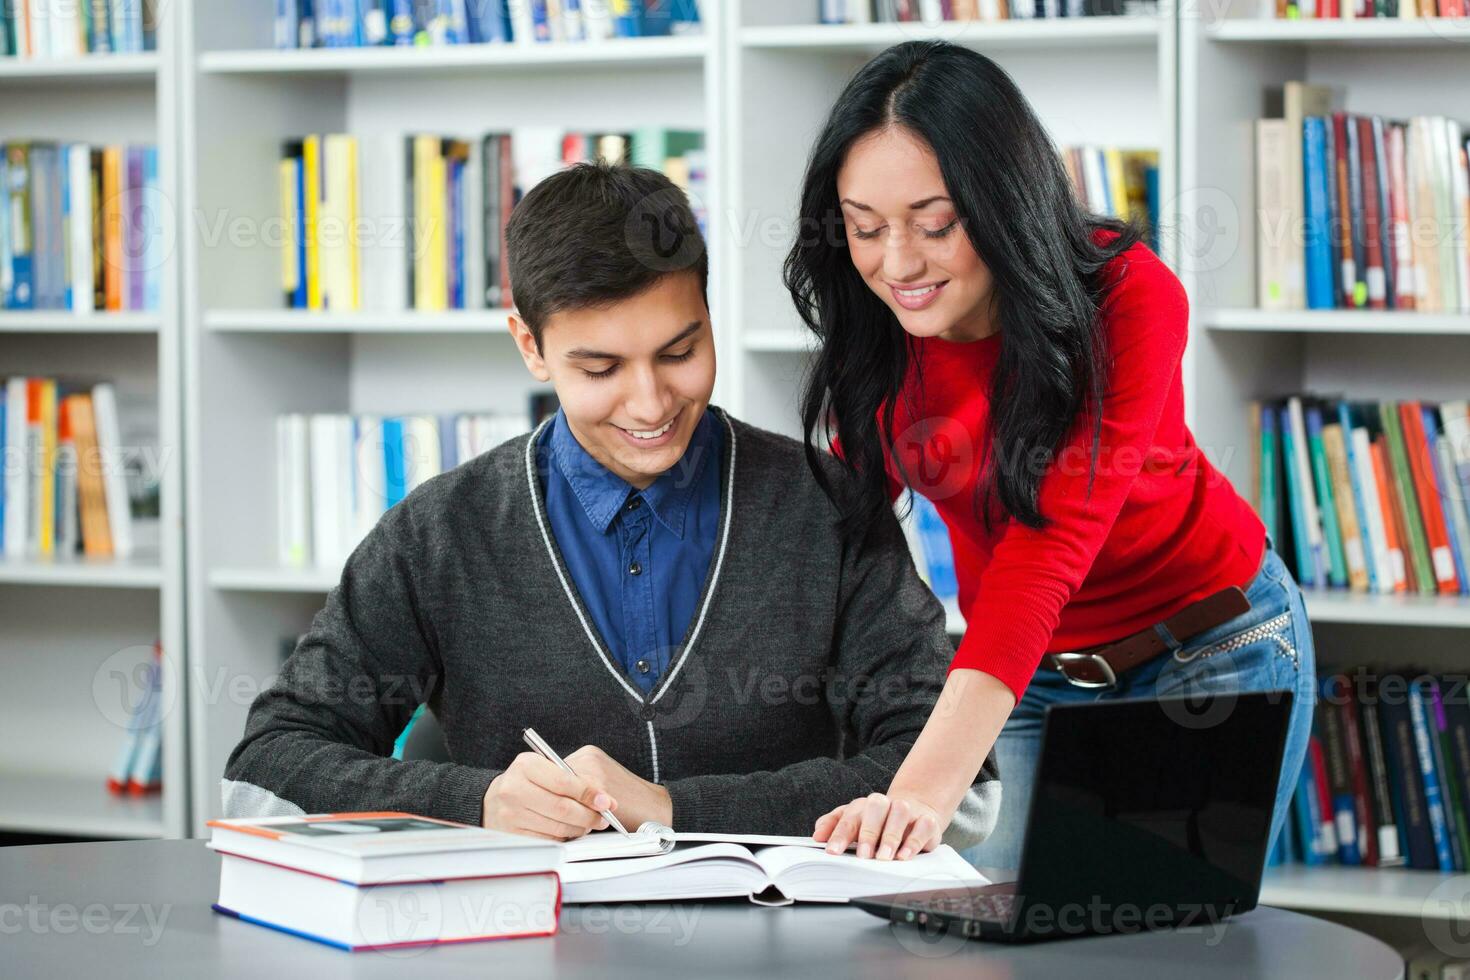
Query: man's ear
[530,352]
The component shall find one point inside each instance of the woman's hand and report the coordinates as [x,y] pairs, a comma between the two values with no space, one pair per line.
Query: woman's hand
[898,827]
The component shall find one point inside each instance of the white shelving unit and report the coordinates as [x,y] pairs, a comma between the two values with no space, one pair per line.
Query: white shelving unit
[1238,353]
[246,360]
[76,630]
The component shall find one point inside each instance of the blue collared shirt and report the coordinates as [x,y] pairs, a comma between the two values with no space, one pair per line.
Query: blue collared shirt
[638,558]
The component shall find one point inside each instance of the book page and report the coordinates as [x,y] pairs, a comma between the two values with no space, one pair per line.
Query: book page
[811,875]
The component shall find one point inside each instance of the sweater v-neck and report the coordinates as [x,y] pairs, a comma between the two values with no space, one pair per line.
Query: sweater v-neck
[707,592]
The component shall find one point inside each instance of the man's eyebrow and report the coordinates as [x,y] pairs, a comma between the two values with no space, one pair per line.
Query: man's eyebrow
[916,206]
[684,334]
[586,354]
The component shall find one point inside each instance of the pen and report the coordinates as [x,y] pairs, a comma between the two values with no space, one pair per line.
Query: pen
[539,744]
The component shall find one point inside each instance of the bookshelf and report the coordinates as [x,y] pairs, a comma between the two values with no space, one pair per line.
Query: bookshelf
[76,630]
[1238,352]
[246,360]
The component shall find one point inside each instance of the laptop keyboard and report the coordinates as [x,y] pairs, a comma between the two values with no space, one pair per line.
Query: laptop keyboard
[994,907]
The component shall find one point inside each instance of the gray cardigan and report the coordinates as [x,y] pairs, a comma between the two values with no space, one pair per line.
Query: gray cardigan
[804,678]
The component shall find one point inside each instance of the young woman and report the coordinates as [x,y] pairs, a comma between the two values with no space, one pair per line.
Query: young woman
[991,344]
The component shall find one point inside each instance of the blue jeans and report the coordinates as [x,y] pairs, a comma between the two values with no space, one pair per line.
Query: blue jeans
[1268,647]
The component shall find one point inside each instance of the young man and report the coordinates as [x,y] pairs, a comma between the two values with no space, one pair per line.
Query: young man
[658,589]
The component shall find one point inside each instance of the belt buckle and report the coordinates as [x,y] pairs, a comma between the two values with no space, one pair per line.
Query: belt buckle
[1063,659]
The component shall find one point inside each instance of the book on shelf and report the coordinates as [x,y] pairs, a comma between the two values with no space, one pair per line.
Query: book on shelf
[435,23]
[1366,496]
[1359,211]
[1117,182]
[66,488]
[418,221]
[138,768]
[941,11]
[1387,778]
[46,29]
[1360,9]
[337,474]
[383,880]
[79,230]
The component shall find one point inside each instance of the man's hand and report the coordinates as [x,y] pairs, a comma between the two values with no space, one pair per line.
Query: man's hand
[898,827]
[638,799]
[536,797]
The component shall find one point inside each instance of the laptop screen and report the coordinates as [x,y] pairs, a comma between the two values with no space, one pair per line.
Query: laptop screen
[1143,805]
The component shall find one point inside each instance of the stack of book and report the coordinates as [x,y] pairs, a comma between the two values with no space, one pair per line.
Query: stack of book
[418,222]
[365,23]
[138,768]
[1369,496]
[337,474]
[1386,780]
[939,11]
[1361,9]
[1119,183]
[65,488]
[80,228]
[387,880]
[69,28]
[1359,211]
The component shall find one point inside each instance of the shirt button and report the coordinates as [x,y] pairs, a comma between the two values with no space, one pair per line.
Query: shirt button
[642,666]
[635,503]
[650,713]
[635,569]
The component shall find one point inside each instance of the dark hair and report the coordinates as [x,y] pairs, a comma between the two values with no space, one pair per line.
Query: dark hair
[597,233]
[1016,204]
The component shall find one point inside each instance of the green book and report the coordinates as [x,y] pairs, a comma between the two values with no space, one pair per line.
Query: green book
[1336,561]
[1403,478]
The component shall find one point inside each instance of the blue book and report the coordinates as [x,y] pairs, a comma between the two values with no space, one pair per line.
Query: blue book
[1270,455]
[1345,419]
[153,236]
[456,234]
[395,464]
[489,21]
[400,24]
[1307,807]
[1318,219]
[286,35]
[540,21]
[834,11]
[299,300]
[1306,567]
[448,443]
[64,167]
[938,550]
[1420,705]
[628,23]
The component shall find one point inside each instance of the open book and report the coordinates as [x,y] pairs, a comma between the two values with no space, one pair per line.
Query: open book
[768,870]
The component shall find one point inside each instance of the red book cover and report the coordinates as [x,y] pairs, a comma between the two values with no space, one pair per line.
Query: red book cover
[1348,274]
[1405,285]
[1421,467]
[1392,523]
[1374,274]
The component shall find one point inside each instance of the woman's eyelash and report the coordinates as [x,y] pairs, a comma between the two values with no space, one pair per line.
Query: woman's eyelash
[938,233]
[677,358]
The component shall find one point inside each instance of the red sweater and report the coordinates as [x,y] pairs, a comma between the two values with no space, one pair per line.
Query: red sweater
[1161,528]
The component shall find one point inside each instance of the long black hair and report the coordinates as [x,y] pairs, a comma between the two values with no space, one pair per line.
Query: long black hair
[1017,205]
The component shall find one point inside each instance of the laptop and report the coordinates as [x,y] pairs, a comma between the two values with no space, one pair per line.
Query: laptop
[1147,814]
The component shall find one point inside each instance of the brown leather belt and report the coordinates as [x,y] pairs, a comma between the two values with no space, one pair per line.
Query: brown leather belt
[1100,666]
